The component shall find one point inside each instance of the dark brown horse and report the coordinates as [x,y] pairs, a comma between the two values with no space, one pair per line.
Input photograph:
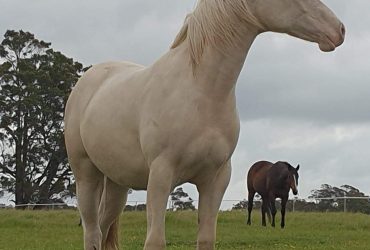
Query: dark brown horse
[271,181]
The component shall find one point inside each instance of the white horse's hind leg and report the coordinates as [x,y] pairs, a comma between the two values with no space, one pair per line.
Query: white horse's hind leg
[159,187]
[89,181]
[111,206]
[211,193]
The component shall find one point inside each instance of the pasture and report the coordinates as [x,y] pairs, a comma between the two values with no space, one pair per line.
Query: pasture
[54,230]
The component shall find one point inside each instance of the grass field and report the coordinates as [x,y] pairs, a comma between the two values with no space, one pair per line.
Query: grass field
[40,230]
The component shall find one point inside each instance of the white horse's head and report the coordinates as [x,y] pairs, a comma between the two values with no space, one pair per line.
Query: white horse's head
[310,20]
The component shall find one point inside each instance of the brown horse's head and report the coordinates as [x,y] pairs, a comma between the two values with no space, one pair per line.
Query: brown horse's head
[293,178]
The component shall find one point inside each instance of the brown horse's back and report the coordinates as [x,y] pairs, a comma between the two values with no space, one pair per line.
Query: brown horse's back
[256,178]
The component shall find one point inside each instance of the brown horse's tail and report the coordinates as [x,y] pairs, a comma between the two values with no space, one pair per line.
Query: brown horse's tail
[269,213]
[112,238]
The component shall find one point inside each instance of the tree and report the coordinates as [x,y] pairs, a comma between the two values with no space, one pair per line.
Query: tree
[352,205]
[356,205]
[257,202]
[181,200]
[35,82]
[328,191]
[302,205]
[240,205]
[138,207]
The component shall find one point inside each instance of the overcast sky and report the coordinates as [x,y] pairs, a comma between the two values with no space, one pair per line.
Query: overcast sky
[296,103]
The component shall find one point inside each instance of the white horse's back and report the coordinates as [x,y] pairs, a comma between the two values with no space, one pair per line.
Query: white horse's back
[92,80]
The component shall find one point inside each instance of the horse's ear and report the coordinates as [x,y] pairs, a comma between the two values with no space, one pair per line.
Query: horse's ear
[297,168]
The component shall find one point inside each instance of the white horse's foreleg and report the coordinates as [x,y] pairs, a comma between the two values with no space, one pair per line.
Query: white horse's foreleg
[111,206]
[159,187]
[210,196]
[89,183]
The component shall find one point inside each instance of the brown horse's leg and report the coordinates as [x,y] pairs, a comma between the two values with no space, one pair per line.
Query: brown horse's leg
[111,206]
[264,209]
[273,210]
[211,191]
[251,194]
[283,205]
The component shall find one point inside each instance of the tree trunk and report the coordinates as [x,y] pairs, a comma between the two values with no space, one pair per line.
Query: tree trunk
[19,176]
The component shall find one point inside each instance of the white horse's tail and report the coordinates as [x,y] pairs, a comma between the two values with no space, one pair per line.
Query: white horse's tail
[112,238]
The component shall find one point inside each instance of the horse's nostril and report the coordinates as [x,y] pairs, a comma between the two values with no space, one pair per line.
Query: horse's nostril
[342,30]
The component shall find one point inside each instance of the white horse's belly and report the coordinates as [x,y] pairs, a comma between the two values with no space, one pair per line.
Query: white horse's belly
[117,157]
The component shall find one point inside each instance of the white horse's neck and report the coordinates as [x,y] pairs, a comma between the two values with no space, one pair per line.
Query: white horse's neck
[216,38]
[219,69]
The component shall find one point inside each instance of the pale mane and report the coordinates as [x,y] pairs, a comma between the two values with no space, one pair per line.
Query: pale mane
[213,22]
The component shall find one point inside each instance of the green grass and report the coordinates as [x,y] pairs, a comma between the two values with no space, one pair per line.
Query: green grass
[58,230]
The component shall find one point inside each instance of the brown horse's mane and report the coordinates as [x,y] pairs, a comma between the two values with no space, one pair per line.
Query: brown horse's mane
[286,163]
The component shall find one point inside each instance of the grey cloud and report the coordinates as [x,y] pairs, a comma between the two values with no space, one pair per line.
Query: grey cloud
[93,31]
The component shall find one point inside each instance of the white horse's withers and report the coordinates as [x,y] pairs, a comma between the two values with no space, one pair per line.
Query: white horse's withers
[156,127]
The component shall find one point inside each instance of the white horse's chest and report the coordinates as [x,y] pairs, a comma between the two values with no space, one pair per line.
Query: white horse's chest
[194,141]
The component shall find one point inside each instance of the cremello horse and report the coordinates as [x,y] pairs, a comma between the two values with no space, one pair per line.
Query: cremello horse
[156,127]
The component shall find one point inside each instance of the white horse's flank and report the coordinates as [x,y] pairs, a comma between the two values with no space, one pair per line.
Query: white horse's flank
[129,126]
